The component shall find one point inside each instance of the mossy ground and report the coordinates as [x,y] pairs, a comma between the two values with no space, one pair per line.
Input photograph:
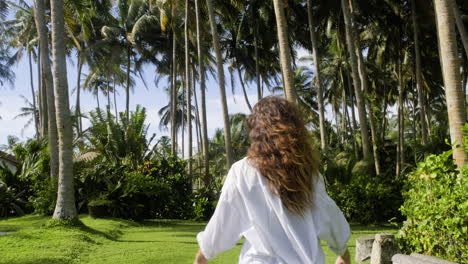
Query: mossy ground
[117,241]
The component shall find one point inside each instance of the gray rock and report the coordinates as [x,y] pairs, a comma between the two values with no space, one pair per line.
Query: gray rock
[418,259]
[431,259]
[383,248]
[5,233]
[364,248]
[405,259]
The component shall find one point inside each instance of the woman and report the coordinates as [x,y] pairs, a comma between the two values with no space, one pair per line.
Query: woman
[275,197]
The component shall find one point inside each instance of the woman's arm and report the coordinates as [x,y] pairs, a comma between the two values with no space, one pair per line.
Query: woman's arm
[345,259]
[200,258]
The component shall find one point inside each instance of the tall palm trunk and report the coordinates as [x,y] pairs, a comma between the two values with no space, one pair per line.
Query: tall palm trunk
[244,91]
[78,95]
[257,64]
[127,88]
[173,96]
[460,26]
[353,114]
[318,83]
[370,111]
[401,119]
[39,91]
[419,81]
[115,101]
[222,89]
[201,74]
[285,52]
[33,94]
[65,207]
[356,81]
[48,94]
[44,125]
[197,120]
[188,90]
[451,74]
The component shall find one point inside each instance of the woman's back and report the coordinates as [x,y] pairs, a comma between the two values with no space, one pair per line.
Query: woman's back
[275,197]
[247,208]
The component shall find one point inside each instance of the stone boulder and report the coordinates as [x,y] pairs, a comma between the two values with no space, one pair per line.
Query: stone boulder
[383,248]
[418,259]
[364,248]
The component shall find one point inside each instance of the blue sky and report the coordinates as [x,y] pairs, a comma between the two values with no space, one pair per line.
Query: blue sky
[152,98]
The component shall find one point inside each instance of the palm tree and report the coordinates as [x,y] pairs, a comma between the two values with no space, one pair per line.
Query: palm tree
[201,74]
[323,140]
[134,20]
[451,73]
[222,90]
[419,81]
[460,26]
[29,110]
[356,81]
[22,33]
[188,88]
[65,207]
[47,85]
[285,52]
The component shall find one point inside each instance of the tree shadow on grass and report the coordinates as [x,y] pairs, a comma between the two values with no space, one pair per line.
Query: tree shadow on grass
[111,235]
[40,261]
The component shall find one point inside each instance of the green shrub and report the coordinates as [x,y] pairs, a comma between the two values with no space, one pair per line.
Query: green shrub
[367,198]
[361,195]
[203,204]
[436,207]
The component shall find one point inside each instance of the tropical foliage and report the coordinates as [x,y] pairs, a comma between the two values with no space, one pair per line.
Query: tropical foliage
[380,98]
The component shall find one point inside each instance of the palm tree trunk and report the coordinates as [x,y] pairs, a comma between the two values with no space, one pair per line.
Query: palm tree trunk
[316,66]
[33,94]
[201,74]
[384,117]
[48,94]
[257,64]
[419,81]
[188,90]
[451,74]
[39,91]
[127,88]
[173,96]
[183,128]
[401,121]
[353,114]
[115,101]
[97,99]
[222,90]
[285,52]
[365,89]
[243,89]
[197,119]
[356,81]
[370,111]
[65,207]
[460,25]
[78,97]
[43,96]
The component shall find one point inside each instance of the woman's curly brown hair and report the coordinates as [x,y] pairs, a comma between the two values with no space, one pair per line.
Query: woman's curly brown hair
[281,149]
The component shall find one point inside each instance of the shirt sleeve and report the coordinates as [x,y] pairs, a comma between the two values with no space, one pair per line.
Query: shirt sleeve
[330,223]
[228,222]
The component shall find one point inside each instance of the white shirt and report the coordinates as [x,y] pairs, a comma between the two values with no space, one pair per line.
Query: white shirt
[273,235]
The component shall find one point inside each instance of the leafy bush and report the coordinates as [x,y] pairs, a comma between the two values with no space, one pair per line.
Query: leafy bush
[361,195]
[436,209]
[203,204]
[31,183]
[158,188]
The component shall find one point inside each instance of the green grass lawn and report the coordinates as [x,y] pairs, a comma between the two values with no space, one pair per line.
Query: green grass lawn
[117,241]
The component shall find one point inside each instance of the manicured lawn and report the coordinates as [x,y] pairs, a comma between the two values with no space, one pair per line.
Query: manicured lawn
[117,241]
